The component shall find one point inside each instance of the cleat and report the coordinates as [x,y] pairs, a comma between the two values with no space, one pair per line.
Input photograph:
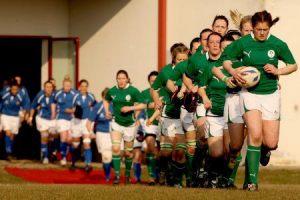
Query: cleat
[162,178]
[88,169]
[72,167]
[116,180]
[252,187]
[151,182]
[178,186]
[10,158]
[45,161]
[265,158]
[127,180]
[63,162]
[107,179]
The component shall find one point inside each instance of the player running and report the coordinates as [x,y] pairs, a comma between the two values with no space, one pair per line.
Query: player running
[102,129]
[124,127]
[43,103]
[83,103]
[260,104]
[13,102]
[65,110]
[172,141]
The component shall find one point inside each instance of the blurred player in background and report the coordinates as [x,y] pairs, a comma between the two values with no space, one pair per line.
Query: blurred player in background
[65,111]
[102,127]
[43,103]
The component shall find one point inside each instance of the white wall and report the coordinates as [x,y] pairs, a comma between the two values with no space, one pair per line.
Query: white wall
[115,35]
[288,30]
[186,19]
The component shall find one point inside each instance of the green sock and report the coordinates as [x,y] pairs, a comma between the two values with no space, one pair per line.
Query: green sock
[116,160]
[235,169]
[151,164]
[189,165]
[128,164]
[253,157]
[246,180]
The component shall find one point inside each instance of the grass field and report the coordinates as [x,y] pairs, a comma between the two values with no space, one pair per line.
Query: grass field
[275,183]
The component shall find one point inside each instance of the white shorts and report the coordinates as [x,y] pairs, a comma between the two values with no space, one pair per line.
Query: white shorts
[268,105]
[63,125]
[170,127]
[232,109]
[45,124]
[103,141]
[78,128]
[150,130]
[128,133]
[187,120]
[10,123]
[214,126]
[200,111]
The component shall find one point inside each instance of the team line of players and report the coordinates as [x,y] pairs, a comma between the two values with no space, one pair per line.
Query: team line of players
[194,108]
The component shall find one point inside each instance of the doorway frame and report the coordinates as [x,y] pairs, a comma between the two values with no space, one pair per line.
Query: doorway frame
[50,40]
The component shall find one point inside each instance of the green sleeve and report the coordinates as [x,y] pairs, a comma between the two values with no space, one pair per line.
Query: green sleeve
[136,95]
[142,98]
[233,52]
[191,70]
[285,54]
[108,96]
[158,82]
[179,70]
[205,77]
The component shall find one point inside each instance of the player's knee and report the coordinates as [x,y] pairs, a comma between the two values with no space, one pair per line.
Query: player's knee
[75,144]
[191,147]
[128,152]
[106,156]
[216,153]
[272,147]
[87,143]
[235,148]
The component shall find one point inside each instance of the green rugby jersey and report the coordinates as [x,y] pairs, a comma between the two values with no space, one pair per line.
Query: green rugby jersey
[181,67]
[197,66]
[170,109]
[146,98]
[215,88]
[120,98]
[258,54]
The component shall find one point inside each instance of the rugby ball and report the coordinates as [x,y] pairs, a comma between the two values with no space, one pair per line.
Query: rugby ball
[251,75]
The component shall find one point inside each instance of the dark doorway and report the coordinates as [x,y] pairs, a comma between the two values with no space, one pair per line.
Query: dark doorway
[23,57]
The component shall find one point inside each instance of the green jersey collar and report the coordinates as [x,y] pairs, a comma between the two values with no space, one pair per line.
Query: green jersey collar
[252,35]
[128,84]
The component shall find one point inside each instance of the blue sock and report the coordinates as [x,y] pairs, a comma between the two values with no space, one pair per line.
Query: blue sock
[63,149]
[137,170]
[56,142]
[8,145]
[107,167]
[44,150]
[87,156]
[73,155]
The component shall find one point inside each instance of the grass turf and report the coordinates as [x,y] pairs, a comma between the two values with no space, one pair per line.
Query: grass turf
[275,183]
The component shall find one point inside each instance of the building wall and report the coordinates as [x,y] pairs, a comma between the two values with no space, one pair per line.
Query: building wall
[35,17]
[115,35]
[186,19]
[288,30]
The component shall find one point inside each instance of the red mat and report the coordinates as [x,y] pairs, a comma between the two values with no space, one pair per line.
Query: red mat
[59,176]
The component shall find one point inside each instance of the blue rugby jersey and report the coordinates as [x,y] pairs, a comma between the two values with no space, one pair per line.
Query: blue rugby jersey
[11,105]
[44,102]
[85,102]
[97,115]
[64,100]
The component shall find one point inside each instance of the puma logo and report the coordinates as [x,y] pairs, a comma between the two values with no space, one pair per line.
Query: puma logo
[247,53]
